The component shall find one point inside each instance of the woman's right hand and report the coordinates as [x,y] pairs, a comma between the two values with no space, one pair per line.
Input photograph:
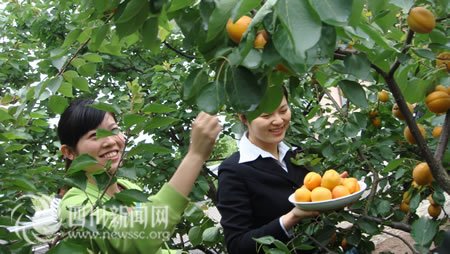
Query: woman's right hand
[302,214]
[294,216]
[205,129]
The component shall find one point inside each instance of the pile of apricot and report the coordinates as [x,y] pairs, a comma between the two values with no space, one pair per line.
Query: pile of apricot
[329,186]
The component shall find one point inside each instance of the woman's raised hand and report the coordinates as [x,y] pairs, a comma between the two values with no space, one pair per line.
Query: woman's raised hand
[205,129]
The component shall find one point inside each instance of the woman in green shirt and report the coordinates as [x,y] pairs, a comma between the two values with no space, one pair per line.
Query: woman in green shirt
[144,227]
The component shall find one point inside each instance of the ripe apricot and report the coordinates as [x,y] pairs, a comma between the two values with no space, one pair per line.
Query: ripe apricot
[376,122]
[404,207]
[302,194]
[261,39]
[434,210]
[340,191]
[330,179]
[437,130]
[422,174]
[344,244]
[321,194]
[352,184]
[438,102]
[373,113]
[408,135]
[312,180]
[398,114]
[383,96]
[237,29]
[440,88]
[421,20]
[443,61]
[283,68]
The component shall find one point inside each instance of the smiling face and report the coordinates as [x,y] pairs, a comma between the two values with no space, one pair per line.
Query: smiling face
[269,129]
[102,149]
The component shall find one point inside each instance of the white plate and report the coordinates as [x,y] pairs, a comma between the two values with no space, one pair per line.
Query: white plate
[332,204]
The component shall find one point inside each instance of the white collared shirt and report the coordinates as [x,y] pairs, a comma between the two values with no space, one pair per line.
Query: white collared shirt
[250,152]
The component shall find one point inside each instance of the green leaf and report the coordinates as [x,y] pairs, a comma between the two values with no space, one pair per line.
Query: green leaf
[383,207]
[179,4]
[404,4]
[357,8]
[92,57]
[78,180]
[253,59]
[424,53]
[69,75]
[281,246]
[102,133]
[211,234]
[299,19]
[210,98]
[157,108]
[393,164]
[4,115]
[423,231]
[269,103]
[131,10]
[354,92]
[219,18]
[358,65]
[333,12]
[132,119]
[244,90]
[54,84]
[87,70]
[81,83]
[68,246]
[148,148]
[414,90]
[149,34]
[71,37]
[23,184]
[133,25]
[242,7]
[194,83]
[131,196]
[195,235]
[81,163]
[265,240]
[193,213]
[66,89]
[158,122]
[368,227]
[106,107]
[98,36]
[377,36]
[58,104]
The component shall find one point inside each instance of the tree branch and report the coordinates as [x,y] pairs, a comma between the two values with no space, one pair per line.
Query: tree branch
[437,170]
[443,140]
[179,52]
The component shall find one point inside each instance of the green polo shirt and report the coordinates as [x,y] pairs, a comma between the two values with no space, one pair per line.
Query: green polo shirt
[141,229]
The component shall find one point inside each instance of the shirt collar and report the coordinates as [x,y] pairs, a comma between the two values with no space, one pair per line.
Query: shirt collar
[250,152]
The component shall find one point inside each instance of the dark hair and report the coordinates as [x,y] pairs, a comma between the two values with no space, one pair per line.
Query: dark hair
[77,120]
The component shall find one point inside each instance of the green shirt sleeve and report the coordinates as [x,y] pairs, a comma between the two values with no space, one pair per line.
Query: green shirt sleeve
[141,229]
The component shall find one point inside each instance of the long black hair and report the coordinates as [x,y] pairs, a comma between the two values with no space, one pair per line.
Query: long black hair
[77,120]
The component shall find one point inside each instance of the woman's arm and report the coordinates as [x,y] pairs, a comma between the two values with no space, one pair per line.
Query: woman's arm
[204,132]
